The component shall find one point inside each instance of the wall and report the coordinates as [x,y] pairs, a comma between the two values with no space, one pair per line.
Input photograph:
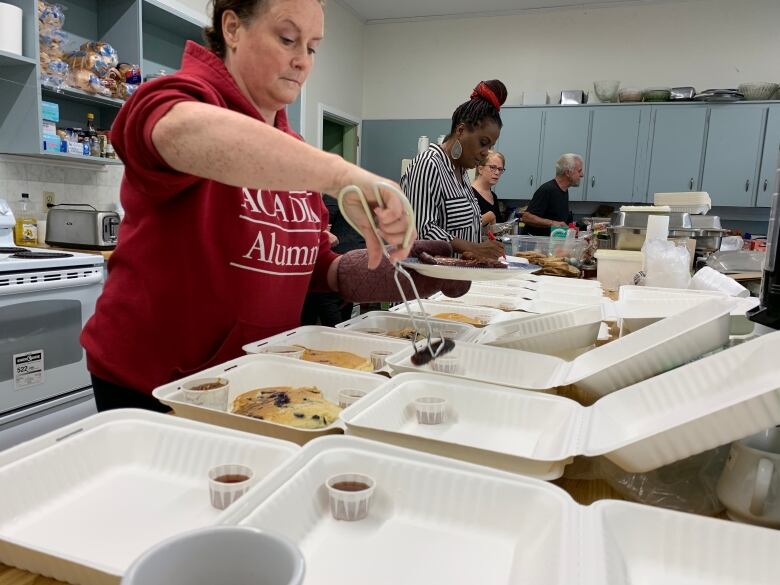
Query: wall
[337,77]
[425,69]
[93,184]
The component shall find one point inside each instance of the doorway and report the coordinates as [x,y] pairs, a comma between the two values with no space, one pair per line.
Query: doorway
[339,133]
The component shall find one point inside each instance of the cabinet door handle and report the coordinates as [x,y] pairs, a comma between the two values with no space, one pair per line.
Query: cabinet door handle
[766,183]
[690,184]
[747,184]
[531,180]
[593,181]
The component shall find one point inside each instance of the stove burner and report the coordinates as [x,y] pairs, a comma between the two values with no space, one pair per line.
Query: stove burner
[12,249]
[27,255]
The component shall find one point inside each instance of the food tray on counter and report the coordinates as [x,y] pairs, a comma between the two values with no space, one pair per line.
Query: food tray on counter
[387,321]
[559,334]
[432,308]
[438,521]
[657,348]
[263,371]
[699,406]
[330,339]
[81,503]
[639,306]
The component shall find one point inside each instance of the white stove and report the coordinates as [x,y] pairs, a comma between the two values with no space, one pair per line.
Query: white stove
[46,298]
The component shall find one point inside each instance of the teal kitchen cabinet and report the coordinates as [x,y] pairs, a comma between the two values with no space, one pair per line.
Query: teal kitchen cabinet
[677,148]
[565,130]
[519,143]
[732,154]
[614,144]
[766,178]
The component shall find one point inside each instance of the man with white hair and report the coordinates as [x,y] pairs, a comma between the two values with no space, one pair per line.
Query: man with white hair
[550,204]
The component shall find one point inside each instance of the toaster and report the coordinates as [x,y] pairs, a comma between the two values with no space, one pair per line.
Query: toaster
[79,225]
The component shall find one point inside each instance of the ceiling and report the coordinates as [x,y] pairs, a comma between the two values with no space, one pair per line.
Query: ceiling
[378,11]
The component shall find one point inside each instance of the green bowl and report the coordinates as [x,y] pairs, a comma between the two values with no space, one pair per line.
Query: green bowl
[656,95]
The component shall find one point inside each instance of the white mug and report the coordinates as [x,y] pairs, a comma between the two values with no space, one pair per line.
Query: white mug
[749,487]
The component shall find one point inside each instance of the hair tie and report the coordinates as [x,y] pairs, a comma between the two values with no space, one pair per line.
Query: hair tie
[484,92]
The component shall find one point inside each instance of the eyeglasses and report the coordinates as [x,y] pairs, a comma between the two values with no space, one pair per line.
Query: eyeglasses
[495,169]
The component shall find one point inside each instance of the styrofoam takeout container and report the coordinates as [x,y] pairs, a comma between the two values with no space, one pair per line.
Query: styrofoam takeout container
[657,348]
[699,406]
[264,371]
[560,334]
[389,321]
[436,307]
[437,521]
[542,290]
[330,339]
[639,306]
[81,503]
[520,301]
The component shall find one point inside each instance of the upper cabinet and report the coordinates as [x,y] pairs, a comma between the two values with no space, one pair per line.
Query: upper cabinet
[769,161]
[731,159]
[611,166]
[566,130]
[519,143]
[677,146]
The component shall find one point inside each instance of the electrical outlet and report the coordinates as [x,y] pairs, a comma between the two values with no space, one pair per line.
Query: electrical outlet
[48,198]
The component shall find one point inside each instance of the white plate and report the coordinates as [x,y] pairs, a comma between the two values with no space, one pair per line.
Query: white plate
[471,274]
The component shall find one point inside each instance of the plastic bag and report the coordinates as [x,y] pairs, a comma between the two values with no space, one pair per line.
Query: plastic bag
[667,265]
[688,486]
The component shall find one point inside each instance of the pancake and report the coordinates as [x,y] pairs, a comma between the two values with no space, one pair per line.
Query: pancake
[342,359]
[302,408]
[460,318]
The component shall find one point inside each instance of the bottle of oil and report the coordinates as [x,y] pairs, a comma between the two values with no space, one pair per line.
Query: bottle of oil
[26,230]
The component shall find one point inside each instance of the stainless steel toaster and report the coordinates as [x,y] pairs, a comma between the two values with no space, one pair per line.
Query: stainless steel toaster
[80,225]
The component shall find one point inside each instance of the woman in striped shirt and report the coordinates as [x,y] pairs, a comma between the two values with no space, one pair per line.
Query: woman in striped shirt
[436,181]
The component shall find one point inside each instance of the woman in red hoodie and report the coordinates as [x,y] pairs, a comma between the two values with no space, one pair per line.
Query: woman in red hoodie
[225,229]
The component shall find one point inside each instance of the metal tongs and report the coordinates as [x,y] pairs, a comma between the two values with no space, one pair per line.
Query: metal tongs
[431,350]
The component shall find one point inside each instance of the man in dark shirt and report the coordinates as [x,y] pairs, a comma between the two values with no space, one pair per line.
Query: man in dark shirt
[550,204]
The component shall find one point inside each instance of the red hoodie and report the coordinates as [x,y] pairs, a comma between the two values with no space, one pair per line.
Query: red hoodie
[201,267]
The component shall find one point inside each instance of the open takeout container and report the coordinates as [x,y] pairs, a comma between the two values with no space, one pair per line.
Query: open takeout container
[659,347]
[264,371]
[388,321]
[441,521]
[81,503]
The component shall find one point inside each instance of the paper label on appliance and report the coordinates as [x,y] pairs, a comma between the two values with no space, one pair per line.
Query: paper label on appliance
[28,369]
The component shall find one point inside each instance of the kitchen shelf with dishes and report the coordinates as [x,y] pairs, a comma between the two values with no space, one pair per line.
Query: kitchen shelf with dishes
[87,62]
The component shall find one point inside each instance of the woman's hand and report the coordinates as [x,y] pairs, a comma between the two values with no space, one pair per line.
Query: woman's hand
[489,249]
[391,220]
[488,218]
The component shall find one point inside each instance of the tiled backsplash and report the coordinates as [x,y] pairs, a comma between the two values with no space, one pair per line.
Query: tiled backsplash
[97,185]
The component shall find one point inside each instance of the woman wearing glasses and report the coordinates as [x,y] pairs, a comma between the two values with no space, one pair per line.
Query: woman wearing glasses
[488,174]
[436,181]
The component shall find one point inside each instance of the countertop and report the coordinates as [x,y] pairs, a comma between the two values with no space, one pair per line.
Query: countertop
[105,253]
[583,492]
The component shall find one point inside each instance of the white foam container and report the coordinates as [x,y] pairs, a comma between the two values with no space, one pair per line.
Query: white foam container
[549,303]
[539,291]
[639,306]
[261,371]
[395,321]
[699,406]
[436,307]
[330,339]
[438,521]
[657,348]
[560,334]
[536,280]
[81,503]
[617,267]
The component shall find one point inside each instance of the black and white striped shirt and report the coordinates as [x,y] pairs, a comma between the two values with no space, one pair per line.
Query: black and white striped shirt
[445,207]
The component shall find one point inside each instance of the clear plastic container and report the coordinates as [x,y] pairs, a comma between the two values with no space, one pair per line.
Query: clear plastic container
[207,392]
[571,248]
[349,396]
[446,364]
[431,410]
[378,358]
[227,483]
[370,330]
[350,495]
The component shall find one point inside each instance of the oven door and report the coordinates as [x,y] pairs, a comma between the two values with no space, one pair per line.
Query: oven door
[41,317]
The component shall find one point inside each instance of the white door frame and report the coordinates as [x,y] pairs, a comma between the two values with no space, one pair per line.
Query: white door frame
[323,109]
